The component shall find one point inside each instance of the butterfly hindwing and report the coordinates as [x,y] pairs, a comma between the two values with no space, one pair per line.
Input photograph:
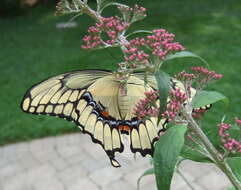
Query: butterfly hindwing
[102,130]
[143,136]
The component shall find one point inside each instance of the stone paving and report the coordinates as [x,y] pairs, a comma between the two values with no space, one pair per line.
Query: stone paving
[73,162]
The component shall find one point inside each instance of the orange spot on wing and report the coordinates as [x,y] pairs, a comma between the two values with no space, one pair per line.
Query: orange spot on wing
[124,128]
[105,113]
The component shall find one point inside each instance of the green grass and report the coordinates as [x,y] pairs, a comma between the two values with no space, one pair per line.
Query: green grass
[32,49]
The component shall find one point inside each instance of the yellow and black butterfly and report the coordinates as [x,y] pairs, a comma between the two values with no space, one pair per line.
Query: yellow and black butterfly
[93,100]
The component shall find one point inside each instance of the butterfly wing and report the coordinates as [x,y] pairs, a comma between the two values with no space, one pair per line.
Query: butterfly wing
[101,117]
[58,95]
[79,97]
[143,133]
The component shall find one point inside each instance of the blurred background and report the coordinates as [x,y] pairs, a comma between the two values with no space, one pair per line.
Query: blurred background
[35,46]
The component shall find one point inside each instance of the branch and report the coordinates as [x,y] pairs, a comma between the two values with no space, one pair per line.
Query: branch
[87,10]
[217,157]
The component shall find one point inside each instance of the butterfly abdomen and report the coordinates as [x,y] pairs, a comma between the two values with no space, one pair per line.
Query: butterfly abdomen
[124,104]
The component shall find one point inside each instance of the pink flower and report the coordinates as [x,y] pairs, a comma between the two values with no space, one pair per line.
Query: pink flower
[147,107]
[112,26]
[203,76]
[159,45]
[174,106]
[229,143]
[138,13]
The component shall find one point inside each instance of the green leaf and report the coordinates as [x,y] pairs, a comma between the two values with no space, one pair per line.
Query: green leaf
[147,172]
[235,164]
[184,54]
[231,188]
[204,98]
[167,150]
[192,154]
[163,83]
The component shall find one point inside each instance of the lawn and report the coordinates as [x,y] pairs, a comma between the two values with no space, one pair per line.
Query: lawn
[32,49]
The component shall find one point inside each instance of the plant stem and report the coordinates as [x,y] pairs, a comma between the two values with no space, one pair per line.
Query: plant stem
[90,12]
[185,179]
[217,158]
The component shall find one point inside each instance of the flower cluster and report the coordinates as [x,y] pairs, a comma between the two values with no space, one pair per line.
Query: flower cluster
[138,13]
[92,40]
[112,26]
[61,7]
[229,143]
[147,107]
[160,43]
[132,14]
[203,76]
[205,72]
[187,80]
[174,107]
[134,54]
[184,76]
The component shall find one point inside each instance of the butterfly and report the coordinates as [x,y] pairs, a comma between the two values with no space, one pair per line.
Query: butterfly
[93,100]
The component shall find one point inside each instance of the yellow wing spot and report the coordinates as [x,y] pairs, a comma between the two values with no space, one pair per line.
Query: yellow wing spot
[116,139]
[152,131]
[64,98]
[145,142]
[154,120]
[58,109]
[161,124]
[107,137]
[98,134]
[49,109]
[44,86]
[26,104]
[74,96]
[90,124]
[40,109]
[60,77]
[37,98]
[32,109]
[84,116]
[74,115]
[81,106]
[80,94]
[135,140]
[115,163]
[56,97]
[50,94]
[68,109]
